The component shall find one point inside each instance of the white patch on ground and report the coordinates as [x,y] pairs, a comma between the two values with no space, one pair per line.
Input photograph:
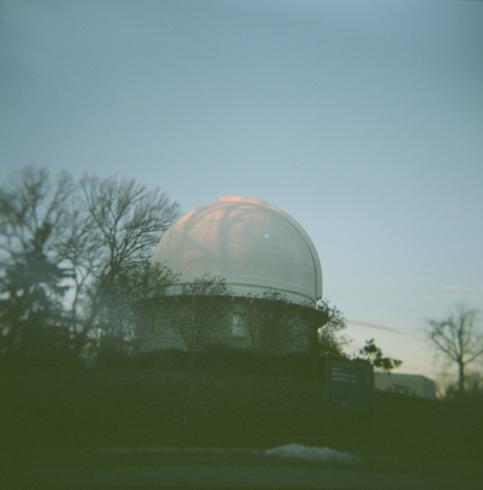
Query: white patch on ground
[310,453]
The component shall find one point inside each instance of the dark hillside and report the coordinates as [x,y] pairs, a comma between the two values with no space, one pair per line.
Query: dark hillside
[145,406]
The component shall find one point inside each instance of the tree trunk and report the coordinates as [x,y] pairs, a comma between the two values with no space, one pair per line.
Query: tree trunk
[461,377]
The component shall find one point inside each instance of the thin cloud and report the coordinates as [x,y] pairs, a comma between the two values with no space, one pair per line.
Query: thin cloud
[457,288]
[375,326]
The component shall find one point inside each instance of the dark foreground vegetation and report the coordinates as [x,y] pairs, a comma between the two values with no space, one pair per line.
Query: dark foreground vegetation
[176,399]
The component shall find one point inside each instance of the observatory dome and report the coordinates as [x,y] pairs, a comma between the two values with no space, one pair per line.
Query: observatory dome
[256,247]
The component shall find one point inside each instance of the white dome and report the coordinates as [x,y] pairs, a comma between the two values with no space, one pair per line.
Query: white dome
[253,245]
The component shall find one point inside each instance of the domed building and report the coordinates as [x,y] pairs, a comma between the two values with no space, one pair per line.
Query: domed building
[247,275]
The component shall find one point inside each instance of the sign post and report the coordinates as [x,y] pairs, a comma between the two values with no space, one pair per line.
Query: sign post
[349,398]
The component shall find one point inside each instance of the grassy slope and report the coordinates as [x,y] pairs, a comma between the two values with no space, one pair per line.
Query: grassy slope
[143,407]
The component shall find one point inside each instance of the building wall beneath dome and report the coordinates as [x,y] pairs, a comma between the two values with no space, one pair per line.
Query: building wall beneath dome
[263,326]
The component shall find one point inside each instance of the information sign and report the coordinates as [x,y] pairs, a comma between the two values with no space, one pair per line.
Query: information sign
[349,385]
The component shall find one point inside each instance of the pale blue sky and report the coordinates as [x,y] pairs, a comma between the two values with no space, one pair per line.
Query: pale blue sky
[363,120]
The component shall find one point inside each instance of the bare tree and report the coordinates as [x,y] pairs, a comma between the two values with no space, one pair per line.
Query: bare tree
[127,217]
[64,253]
[33,218]
[126,220]
[137,294]
[199,311]
[268,321]
[331,340]
[278,326]
[458,338]
[80,258]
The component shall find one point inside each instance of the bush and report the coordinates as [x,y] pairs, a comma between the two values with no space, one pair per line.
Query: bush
[167,360]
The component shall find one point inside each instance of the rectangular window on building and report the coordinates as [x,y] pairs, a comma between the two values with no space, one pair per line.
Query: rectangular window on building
[239,325]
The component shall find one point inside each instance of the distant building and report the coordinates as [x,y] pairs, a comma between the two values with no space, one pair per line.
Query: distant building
[414,385]
[265,258]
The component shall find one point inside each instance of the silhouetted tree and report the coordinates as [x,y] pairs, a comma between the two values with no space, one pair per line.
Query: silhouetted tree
[373,354]
[33,218]
[279,326]
[135,299]
[473,387]
[81,260]
[458,338]
[331,340]
[198,310]
[268,322]
[126,221]
[65,249]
